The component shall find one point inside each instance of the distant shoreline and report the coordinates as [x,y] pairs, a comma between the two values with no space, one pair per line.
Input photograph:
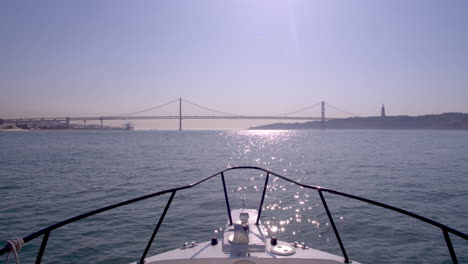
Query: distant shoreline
[13,130]
[445,121]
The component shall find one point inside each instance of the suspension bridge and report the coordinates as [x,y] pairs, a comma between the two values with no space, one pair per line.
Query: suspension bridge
[65,121]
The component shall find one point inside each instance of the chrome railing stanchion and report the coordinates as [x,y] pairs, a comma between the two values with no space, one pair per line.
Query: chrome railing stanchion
[142,259]
[346,260]
[263,197]
[45,238]
[227,199]
[450,247]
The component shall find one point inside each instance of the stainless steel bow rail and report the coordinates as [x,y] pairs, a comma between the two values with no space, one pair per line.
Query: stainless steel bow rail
[46,231]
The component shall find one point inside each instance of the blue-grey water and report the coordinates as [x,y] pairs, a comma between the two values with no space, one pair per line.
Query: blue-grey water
[46,177]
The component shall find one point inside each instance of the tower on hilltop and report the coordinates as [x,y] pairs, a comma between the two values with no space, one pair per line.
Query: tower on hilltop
[382,112]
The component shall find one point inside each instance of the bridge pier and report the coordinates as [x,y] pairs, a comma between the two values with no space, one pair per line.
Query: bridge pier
[102,123]
[322,119]
[68,122]
[84,123]
[180,114]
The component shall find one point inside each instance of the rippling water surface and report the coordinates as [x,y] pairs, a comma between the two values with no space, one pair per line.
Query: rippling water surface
[46,177]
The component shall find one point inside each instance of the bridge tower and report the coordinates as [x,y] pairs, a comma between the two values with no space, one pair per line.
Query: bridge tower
[322,120]
[180,114]
[382,111]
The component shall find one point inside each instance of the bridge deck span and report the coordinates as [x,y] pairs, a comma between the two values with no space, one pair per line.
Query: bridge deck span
[99,118]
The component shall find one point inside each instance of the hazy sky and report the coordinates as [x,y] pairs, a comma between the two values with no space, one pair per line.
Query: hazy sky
[68,58]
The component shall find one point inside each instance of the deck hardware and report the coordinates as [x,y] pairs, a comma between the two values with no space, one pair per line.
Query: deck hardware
[274,241]
[283,250]
[241,234]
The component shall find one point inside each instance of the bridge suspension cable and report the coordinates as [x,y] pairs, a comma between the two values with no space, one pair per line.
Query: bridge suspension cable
[231,114]
[209,109]
[149,109]
[340,110]
[300,110]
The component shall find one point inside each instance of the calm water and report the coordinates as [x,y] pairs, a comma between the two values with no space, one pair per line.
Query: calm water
[50,176]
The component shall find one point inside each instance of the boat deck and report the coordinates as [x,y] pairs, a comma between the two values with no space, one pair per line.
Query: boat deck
[258,250]
[206,253]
